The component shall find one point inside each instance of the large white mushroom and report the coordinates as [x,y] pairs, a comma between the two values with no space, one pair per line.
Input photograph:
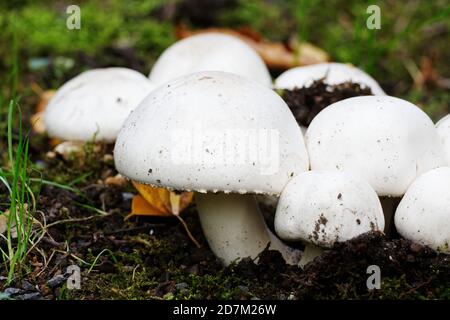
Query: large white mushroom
[386,140]
[210,52]
[423,215]
[217,133]
[321,208]
[443,129]
[333,73]
[95,104]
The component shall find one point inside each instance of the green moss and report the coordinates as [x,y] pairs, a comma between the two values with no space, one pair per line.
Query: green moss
[77,169]
[42,29]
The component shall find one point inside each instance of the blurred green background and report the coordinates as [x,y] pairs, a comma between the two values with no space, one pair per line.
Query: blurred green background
[409,55]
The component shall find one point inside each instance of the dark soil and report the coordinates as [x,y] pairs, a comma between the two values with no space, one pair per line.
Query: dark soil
[153,258]
[408,270]
[306,102]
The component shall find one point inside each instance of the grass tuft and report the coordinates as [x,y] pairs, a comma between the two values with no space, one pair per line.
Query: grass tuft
[22,205]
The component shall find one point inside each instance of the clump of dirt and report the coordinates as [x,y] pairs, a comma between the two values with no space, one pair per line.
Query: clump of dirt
[306,102]
[408,271]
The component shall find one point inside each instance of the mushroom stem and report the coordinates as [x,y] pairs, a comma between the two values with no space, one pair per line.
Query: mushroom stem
[389,205]
[235,228]
[309,254]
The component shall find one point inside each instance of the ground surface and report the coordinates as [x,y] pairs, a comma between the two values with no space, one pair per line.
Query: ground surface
[150,257]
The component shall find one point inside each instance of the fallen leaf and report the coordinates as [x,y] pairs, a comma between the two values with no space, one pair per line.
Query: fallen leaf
[275,54]
[429,75]
[175,201]
[54,142]
[425,75]
[45,97]
[37,123]
[161,201]
[36,119]
[3,223]
[140,207]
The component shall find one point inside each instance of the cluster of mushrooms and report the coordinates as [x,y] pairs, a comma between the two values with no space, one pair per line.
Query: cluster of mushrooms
[362,163]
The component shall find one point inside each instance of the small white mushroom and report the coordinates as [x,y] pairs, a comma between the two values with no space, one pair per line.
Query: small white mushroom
[443,129]
[423,215]
[210,52]
[216,133]
[387,141]
[95,104]
[333,73]
[321,208]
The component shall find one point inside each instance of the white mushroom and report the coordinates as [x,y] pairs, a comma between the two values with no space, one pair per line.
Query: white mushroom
[423,215]
[333,73]
[216,132]
[210,52]
[443,128]
[321,208]
[95,103]
[386,140]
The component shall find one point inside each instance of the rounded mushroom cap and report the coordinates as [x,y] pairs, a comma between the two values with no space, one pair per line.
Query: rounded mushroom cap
[212,131]
[443,129]
[210,52]
[386,140]
[333,73]
[325,207]
[423,215]
[95,103]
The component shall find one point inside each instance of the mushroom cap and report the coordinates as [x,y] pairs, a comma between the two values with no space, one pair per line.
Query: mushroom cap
[334,73]
[210,52]
[443,129]
[325,207]
[212,131]
[386,140]
[423,215]
[95,103]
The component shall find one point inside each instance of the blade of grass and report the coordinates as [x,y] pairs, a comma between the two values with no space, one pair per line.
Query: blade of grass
[10,134]
[55,184]
[94,263]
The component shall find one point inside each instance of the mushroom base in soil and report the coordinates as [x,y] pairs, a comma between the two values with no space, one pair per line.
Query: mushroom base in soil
[389,205]
[235,228]
[321,208]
